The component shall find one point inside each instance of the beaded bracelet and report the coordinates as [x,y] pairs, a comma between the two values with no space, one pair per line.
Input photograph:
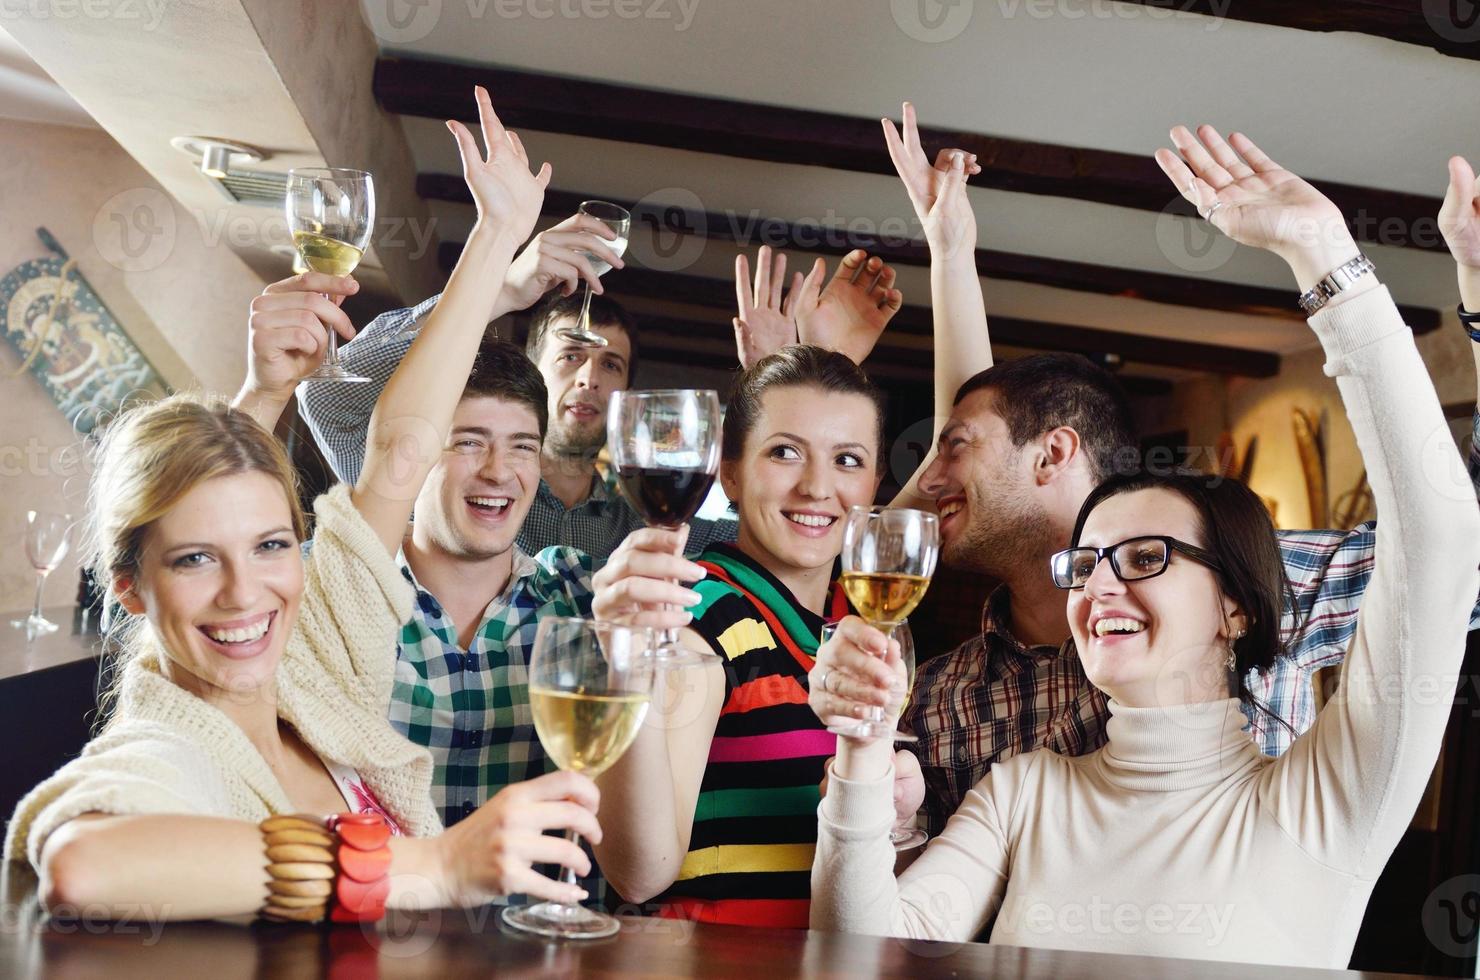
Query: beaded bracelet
[336,869]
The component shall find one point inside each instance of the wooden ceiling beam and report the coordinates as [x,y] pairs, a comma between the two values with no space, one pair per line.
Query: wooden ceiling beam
[703,124]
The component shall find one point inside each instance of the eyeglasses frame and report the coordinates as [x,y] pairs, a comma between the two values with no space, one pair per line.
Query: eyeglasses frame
[1200,555]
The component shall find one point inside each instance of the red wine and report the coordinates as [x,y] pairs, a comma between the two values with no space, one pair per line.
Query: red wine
[664,497]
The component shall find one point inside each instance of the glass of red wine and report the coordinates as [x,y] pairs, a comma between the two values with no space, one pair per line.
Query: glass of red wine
[664,445]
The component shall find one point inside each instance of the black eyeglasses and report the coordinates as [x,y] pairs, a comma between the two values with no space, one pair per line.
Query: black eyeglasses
[1131,560]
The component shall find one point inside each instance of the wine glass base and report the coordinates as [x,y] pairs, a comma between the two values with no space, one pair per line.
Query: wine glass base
[561,921]
[585,338]
[35,625]
[333,372]
[871,729]
[907,840]
[675,657]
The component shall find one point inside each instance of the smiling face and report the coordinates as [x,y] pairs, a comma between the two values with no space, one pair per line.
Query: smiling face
[580,381]
[219,579]
[810,455]
[1158,641]
[476,496]
[992,519]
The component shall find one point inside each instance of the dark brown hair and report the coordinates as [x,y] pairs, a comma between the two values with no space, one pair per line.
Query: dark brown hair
[605,312]
[799,365]
[1042,392]
[501,370]
[1234,526]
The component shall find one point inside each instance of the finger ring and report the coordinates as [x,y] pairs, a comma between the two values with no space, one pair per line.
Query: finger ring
[826,673]
[1213,210]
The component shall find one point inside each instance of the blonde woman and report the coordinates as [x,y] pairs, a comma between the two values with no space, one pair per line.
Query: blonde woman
[256,682]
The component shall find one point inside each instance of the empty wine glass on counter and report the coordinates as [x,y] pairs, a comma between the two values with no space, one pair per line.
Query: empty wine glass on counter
[664,445]
[48,539]
[589,688]
[619,220]
[331,213]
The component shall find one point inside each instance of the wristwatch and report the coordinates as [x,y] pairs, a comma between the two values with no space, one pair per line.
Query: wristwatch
[1338,281]
[1471,322]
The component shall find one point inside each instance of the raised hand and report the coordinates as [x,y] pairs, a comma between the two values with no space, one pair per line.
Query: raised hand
[288,330]
[507,195]
[557,257]
[936,191]
[765,322]
[1256,202]
[855,671]
[639,584]
[1459,218]
[850,314]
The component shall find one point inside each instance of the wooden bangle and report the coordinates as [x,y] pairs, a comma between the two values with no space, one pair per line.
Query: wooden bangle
[301,870]
[278,853]
[315,914]
[311,888]
[296,901]
[300,862]
[321,838]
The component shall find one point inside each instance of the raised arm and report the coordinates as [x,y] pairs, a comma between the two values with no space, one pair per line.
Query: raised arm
[1347,788]
[649,795]
[409,426]
[963,347]
[1459,220]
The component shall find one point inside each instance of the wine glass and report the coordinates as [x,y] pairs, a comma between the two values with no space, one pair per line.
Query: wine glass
[331,212]
[589,688]
[903,840]
[664,445]
[619,220]
[48,538]
[888,557]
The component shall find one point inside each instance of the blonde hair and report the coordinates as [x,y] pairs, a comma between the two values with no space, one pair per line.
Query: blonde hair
[149,458]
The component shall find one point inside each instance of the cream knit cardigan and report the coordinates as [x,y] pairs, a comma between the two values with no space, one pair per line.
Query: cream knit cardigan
[167,751]
[1178,838]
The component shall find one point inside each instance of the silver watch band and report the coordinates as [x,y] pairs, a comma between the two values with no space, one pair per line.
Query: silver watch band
[1339,280]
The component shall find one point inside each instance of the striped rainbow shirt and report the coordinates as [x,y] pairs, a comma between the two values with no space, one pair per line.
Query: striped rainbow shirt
[755,825]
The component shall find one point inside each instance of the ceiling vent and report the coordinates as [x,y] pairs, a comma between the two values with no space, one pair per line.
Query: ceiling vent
[224,163]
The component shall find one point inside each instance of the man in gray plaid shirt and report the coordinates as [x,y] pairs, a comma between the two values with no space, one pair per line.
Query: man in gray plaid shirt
[573,505]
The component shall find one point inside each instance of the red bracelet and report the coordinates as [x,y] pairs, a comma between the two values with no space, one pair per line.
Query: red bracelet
[364,861]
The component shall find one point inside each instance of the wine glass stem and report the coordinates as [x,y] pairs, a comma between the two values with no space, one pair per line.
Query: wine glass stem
[586,310]
[876,713]
[568,875]
[40,584]
[331,352]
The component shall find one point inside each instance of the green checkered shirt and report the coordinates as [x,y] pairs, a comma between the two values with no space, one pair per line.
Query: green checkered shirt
[471,707]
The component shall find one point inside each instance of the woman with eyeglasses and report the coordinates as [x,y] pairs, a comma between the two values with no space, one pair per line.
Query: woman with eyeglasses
[1178,838]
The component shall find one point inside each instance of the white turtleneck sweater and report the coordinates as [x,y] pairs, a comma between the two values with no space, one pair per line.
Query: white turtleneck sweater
[1178,838]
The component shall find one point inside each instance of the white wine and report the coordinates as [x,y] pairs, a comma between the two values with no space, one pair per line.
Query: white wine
[602,266]
[326,255]
[586,732]
[884,598]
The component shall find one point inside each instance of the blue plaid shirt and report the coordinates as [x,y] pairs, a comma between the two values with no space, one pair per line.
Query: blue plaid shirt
[339,415]
[992,697]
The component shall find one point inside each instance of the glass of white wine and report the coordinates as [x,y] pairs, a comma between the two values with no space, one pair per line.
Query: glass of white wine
[48,539]
[589,688]
[619,220]
[888,557]
[331,213]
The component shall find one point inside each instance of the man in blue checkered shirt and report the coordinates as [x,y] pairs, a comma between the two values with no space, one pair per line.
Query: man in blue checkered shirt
[573,505]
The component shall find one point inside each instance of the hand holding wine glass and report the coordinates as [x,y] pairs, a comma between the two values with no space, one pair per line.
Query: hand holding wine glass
[619,220]
[665,447]
[48,539]
[589,687]
[331,213]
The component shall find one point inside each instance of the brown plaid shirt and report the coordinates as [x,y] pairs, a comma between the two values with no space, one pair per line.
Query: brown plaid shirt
[990,699]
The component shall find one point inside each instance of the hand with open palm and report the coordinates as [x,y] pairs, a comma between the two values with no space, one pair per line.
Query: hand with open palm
[1256,202]
[508,196]
[853,310]
[936,191]
[1459,218]
[765,321]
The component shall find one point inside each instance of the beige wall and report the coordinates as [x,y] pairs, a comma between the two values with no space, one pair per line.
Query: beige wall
[182,298]
[1205,407]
